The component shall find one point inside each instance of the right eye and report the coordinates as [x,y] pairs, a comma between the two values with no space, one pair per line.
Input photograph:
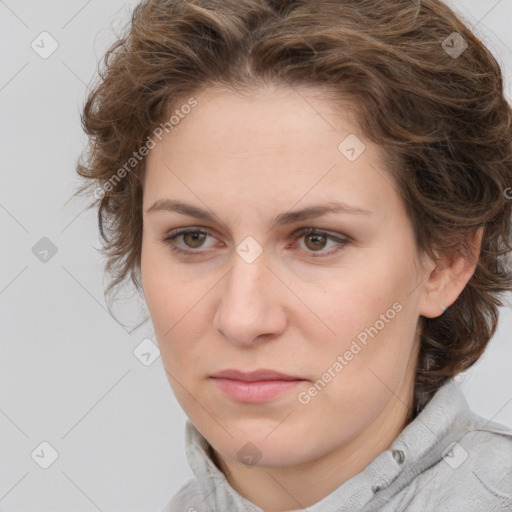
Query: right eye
[193,238]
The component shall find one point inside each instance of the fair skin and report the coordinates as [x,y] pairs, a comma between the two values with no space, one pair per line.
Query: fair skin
[247,159]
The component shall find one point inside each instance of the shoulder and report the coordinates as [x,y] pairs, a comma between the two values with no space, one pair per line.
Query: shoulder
[187,499]
[475,470]
[489,457]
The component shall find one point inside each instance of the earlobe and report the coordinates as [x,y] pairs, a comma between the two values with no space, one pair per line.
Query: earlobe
[449,278]
[432,303]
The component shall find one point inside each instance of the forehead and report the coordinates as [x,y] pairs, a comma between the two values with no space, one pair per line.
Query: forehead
[266,119]
[278,142]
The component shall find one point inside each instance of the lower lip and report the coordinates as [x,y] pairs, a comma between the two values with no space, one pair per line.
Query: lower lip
[258,391]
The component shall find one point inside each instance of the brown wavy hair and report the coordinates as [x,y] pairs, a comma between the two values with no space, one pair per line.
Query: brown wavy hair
[441,118]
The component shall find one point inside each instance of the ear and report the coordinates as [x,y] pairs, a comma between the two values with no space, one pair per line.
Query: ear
[449,278]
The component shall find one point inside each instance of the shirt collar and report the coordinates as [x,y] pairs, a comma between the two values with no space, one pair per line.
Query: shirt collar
[422,443]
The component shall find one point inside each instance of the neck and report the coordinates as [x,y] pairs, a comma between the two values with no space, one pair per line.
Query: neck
[282,489]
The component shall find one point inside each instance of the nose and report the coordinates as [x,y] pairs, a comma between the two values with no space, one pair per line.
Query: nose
[251,307]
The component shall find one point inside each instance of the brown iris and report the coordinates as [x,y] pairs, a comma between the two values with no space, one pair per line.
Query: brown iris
[196,237]
[316,244]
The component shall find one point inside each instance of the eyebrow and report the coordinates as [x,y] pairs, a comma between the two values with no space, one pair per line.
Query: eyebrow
[282,219]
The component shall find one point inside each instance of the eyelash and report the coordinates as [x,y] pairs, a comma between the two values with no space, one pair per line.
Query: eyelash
[168,240]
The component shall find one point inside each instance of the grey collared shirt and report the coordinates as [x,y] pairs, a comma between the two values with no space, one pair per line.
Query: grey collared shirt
[448,459]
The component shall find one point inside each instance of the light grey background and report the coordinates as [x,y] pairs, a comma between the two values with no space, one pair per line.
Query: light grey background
[68,372]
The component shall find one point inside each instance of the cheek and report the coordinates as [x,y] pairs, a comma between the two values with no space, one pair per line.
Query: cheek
[368,309]
[162,294]
[176,311]
[173,315]
[355,299]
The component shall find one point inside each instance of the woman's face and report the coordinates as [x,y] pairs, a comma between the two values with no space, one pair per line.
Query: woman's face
[253,290]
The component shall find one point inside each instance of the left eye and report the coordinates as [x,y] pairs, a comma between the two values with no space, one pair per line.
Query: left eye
[316,240]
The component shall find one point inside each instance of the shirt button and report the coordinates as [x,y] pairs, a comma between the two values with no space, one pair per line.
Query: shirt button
[377,487]
[399,456]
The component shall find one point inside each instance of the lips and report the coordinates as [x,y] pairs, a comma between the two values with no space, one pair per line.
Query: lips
[254,376]
[255,387]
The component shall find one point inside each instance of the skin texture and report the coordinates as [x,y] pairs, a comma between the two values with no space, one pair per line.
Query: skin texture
[248,158]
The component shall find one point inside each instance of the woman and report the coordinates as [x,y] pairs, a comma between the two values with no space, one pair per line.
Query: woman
[312,197]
